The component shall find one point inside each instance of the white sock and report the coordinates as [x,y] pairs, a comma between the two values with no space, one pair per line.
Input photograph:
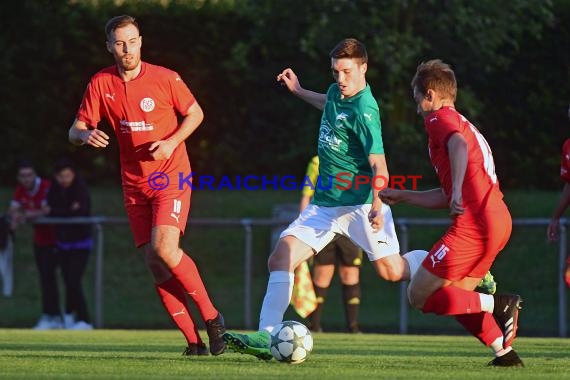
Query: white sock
[487,302]
[497,347]
[415,259]
[277,299]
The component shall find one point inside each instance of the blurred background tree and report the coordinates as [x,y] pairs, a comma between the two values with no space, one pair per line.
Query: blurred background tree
[511,59]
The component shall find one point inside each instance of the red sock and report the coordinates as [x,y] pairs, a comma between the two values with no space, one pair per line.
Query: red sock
[451,300]
[174,300]
[482,326]
[187,274]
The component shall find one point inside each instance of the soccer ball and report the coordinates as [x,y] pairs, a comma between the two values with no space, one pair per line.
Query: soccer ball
[291,342]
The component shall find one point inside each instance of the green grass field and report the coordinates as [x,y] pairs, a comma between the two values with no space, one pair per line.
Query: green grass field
[134,354]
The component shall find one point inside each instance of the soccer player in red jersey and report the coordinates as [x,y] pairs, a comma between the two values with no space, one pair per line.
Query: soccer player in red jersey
[141,102]
[554,226]
[481,222]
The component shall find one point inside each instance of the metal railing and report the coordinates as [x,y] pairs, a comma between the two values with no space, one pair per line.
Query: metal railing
[247,224]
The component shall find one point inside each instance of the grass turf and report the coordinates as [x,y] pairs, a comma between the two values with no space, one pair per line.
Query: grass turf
[152,354]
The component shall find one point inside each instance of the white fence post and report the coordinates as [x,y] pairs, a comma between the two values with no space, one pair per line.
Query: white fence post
[248,272]
[404,305]
[99,241]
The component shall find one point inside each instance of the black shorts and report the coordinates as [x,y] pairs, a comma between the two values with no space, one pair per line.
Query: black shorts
[340,250]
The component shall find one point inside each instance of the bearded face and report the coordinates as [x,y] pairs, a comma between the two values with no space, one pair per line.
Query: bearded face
[126,47]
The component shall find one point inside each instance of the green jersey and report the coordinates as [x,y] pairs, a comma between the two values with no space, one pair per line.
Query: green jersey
[350,131]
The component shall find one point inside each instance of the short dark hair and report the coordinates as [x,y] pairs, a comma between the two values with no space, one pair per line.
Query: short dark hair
[25,164]
[350,48]
[119,22]
[435,75]
[63,163]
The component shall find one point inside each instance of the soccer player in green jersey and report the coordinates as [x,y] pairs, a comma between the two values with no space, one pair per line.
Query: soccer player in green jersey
[352,165]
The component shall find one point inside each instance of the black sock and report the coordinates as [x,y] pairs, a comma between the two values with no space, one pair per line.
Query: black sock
[351,298]
[321,294]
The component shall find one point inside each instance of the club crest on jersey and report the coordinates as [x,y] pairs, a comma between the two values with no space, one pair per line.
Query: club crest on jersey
[328,138]
[147,104]
[341,116]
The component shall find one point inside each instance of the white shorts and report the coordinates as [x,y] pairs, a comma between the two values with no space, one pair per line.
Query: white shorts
[316,226]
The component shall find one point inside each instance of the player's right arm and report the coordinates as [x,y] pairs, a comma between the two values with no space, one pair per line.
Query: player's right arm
[289,79]
[80,134]
[434,198]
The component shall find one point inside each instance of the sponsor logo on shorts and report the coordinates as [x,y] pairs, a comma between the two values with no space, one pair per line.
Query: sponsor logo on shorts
[176,208]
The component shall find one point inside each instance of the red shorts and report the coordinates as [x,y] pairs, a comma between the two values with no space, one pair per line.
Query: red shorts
[470,245]
[147,208]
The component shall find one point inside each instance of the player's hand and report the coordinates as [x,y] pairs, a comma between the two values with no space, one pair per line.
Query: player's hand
[390,196]
[552,230]
[456,205]
[375,215]
[161,150]
[94,137]
[289,79]
[376,220]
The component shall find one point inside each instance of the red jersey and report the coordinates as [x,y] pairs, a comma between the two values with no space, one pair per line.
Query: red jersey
[44,235]
[140,111]
[480,185]
[565,162]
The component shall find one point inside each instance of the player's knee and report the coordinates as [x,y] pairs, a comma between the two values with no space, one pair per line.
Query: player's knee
[349,277]
[279,260]
[417,300]
[167,255]
[389,270]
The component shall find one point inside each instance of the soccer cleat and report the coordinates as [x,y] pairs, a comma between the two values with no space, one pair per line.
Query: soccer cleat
[506,313]
[354,329]
[216,329]
[194,349]
[256,344]
[487,285]
[510,359]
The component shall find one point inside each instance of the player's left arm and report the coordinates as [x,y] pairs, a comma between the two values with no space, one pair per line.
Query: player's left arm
[457,153]
[163,149]
[379,170]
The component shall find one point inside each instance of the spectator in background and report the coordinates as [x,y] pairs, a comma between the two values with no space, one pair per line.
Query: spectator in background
[28,204]
[341,251]
[70,197]
[552,231]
